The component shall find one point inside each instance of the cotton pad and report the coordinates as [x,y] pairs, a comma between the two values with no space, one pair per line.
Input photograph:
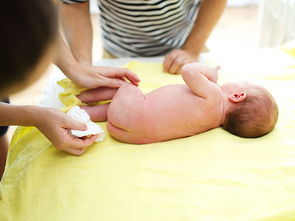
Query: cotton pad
[92,128]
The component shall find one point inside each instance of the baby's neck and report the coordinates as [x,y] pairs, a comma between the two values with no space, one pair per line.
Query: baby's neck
[226,105]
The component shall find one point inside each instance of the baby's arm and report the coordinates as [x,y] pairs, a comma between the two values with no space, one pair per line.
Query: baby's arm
[201,79]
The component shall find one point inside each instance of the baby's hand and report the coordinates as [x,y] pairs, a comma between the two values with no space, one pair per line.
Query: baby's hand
[210,73]
[213,74]
[55,125]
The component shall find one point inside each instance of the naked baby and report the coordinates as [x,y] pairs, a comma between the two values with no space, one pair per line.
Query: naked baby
[181,110]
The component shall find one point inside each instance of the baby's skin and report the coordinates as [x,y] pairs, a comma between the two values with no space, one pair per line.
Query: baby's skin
[169,112]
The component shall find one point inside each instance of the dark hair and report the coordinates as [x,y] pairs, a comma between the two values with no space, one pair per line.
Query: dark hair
[27,29]
[253,117]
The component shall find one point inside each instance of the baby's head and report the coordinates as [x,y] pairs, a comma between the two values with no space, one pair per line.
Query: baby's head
[250,110]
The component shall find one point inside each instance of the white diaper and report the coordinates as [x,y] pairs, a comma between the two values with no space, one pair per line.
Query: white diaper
[92,128]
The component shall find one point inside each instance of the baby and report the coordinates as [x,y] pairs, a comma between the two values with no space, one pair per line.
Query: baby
[181,110]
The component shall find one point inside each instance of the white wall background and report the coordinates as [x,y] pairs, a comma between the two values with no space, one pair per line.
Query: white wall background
[93,6]
[277,22]
[242,2]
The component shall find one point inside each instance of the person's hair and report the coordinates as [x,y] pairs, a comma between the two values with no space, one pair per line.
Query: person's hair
[253,117]
[28,27]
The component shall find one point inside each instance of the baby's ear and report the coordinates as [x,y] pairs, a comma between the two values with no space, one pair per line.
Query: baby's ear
[237,97]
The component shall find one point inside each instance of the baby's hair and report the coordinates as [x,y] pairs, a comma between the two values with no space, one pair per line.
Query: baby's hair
[27,29]
[253,117]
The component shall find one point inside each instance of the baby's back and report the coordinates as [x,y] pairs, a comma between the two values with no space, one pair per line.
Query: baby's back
[166,113]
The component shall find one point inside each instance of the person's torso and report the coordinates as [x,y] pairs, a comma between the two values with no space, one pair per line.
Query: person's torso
[145,27]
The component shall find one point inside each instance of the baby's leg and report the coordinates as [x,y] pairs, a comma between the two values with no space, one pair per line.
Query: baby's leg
[99,112]
[97,94]
[126,136]
[127,108]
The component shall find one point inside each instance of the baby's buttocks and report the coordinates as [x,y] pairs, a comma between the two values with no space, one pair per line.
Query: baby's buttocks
[127,108]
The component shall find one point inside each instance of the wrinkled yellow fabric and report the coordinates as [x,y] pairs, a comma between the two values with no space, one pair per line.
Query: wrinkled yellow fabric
[68,96]
[213,176]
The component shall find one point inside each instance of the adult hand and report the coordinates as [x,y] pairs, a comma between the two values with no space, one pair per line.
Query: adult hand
[55,125]
[88,76]
[176,59]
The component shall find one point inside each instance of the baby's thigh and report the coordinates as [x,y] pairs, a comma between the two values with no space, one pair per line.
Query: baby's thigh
[127,136]
[118,133]
[127,107]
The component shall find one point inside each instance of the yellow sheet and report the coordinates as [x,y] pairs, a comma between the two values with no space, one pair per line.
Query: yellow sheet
[213,176]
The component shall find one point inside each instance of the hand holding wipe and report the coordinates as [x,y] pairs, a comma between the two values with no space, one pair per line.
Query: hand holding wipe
[92,128]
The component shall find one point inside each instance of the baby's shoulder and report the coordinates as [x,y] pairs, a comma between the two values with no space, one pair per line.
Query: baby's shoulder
[214,95]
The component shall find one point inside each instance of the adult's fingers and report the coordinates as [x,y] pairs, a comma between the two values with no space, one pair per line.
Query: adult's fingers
[76,142]
[133,78]
[70,123]
[168,61]
[74,151]
[125,73]
[110,82]
[182,63]
[122,78]
[176,65]
[97,94]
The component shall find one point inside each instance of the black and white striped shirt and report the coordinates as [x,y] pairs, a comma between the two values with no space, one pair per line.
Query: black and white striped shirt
[132,28]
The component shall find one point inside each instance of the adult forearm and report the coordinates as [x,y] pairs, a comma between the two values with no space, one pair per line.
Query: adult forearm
[65,60]
[75,20]
[22,115]
[208,15]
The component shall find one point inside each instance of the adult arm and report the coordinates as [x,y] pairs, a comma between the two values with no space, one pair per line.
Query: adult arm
[75,59]
[76,24]
[89,76]
[208,15]
[54,124]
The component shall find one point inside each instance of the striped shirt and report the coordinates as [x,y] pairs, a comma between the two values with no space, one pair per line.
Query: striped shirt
[144,28]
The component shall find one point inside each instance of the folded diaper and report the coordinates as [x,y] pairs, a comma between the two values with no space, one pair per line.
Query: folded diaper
[92,128]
